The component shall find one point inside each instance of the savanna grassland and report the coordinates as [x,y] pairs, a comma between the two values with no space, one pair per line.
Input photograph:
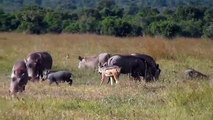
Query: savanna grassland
[172,97]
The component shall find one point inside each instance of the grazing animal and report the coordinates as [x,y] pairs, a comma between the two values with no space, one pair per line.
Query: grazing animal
[113,72]
[131,65]
[37,62]
[154,67]
[58,76]
[93,61]
[194,74]
[19,77]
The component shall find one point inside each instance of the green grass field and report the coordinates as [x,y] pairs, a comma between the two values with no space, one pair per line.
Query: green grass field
[172,97]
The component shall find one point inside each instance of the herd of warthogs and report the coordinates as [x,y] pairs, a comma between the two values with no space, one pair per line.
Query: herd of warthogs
[38,67]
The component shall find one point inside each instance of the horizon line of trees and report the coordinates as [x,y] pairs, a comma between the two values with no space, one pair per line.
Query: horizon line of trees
[110,19]
[74,5]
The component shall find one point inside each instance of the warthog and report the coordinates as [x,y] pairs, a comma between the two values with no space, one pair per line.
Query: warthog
[194,74]
[58,76]
[93,61]
[37,62]
[19,77]
[154,67]
[131,65]
[113,72]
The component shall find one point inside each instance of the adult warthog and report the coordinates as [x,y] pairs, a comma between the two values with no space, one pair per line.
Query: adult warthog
[19,77]
[154,67]
[92,62]
[37,62]
[131,65]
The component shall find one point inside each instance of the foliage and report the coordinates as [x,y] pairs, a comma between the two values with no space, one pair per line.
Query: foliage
[208,31]
[31,20]
[70,5]
[72,28]
[54,22]
[110,17]
[191,28]
[8,22]
[190,13]
[166,28]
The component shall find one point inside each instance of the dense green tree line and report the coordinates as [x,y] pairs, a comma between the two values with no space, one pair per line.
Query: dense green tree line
[108,18]
[70,5]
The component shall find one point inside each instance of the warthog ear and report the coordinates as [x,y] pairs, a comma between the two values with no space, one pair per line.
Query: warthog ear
[13,79]
[80,58]
[105,64]
[48,72]
[37,61]
[99,65]
[22,74]
[157,66]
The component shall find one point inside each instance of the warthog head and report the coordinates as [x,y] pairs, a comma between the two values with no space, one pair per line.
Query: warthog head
[157,72]
[31,67]
[82,63]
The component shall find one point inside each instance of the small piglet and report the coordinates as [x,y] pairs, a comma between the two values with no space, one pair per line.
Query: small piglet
[59,76]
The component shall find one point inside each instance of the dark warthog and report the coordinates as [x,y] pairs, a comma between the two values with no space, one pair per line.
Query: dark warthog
[58,76]
[130,65]
[194,74]
[37,62]
[154,67]
[93,61]
[19,77]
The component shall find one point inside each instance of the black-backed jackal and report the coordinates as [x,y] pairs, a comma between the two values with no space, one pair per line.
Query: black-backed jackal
[113,72]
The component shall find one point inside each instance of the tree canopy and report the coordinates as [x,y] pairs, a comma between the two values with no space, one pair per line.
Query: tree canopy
[109,17]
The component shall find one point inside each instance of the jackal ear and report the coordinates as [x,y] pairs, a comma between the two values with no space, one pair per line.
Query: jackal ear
[80,58]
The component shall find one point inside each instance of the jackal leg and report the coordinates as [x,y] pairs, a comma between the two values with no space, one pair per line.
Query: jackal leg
[116,76]
[111,80]
[102,79]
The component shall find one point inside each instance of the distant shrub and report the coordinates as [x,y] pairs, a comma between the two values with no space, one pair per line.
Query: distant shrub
[72,28]
[168,29]
[191,28]
[208,31]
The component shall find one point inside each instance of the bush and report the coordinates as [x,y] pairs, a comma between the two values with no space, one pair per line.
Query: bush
[54,22]
[122,28]
[8,22]
[208,31]
[31,28]
[108,25]
[118,27]
[72,28]
[31,20]
[167,29]
[191,28]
